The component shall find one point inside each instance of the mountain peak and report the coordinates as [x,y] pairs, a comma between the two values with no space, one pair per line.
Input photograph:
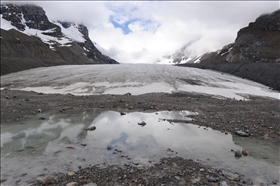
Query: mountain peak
[29,17]
[34,41]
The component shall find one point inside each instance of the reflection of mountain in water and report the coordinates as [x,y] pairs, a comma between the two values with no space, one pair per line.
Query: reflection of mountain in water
[263,150]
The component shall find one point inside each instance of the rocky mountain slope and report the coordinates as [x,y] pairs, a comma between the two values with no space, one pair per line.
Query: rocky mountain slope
[254,55]
[30,40]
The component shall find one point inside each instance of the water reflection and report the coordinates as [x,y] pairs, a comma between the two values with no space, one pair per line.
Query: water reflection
[62,143]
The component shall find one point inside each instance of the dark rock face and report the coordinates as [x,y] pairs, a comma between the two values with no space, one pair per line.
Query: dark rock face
[258,42]
[254,54]
[21,52]
[29,15]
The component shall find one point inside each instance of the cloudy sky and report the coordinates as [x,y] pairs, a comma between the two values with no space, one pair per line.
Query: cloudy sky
[145,31]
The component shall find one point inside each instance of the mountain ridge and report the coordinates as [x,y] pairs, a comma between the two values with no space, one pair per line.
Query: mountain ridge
[57,43]
[257,42]
[253,55]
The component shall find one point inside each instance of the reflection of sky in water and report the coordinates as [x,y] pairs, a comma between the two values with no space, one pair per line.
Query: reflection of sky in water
[38,144]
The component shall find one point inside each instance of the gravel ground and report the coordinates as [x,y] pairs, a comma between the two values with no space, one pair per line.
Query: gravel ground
[257,118]
[169,171]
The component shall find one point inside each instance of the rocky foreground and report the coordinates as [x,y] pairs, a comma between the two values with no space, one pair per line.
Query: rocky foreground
[169,171]
[257,118]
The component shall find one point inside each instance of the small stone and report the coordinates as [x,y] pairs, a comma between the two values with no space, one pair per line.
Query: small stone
[91,184]
[39,111]
[109,147]
[48,181]
[247,131]
[212,179]
[177,177]
[71,173]
[122,113]
[70,147]
[130,107]
[72,184]
[41,118]
[241,133]
[275,182]
[249,182]
[118,150]
[245,153]
[237,154]
[223,183]
[122,101]
[201,170]
[231,176]
[143,123]
[7,97]
[127,94]
[91,128]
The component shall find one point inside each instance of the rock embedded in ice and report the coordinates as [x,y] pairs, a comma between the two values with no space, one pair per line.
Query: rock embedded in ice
[91,128]
[143,123]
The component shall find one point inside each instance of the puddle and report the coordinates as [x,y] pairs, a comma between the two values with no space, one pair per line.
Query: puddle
[34,149]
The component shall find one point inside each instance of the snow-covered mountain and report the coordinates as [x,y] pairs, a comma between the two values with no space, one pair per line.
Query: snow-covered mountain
[181,56]
[258,42]
[61,42]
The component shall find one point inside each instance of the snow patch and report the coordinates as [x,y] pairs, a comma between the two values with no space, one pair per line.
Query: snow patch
[85,49]
[6,25]
[70,34]
[198,59]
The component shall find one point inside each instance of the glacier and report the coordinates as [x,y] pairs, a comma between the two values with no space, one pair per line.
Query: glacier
[135,79]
